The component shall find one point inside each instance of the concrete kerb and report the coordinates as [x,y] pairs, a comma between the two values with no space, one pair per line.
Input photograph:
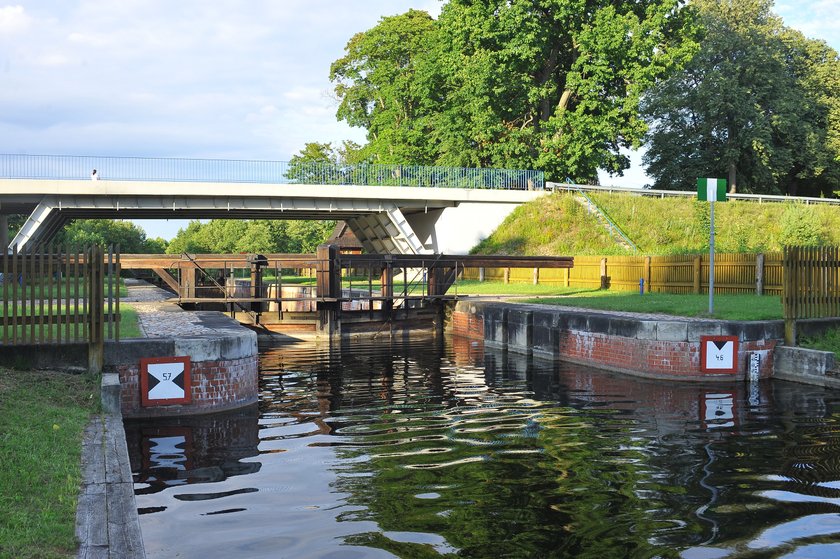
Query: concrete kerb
[810,366]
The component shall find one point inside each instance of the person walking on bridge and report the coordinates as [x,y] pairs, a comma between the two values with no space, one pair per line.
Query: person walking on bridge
[94,176]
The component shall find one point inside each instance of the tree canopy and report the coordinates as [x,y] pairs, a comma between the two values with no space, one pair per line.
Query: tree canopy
[552,85]
[227,236]
[759,104]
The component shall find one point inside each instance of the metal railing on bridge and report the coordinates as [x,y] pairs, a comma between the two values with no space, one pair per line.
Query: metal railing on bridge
[76,167]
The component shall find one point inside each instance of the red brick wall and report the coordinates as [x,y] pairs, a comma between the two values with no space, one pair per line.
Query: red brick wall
[653,358]
[468,324]
[215,386]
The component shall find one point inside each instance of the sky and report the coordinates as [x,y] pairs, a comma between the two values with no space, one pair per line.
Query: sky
[205,79]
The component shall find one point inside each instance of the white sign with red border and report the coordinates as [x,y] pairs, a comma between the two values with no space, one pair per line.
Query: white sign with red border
[165,381]
[719,354]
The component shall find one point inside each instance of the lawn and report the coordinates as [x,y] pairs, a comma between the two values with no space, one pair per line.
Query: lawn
[129,327]
[726,307]
[42,416]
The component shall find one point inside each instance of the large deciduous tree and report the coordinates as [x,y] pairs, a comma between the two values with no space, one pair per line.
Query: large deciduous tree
[753,105]
[378,89]
[546,84]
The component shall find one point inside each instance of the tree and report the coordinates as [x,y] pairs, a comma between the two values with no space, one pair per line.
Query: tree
[378,89]
[552,85]
[754,105]
[231,236]
[130,237]
[319,163]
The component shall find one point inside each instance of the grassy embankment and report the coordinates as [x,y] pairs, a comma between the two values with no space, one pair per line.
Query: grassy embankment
[559,225]
[42,416]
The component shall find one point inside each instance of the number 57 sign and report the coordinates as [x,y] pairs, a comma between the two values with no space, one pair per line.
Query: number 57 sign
[164,381]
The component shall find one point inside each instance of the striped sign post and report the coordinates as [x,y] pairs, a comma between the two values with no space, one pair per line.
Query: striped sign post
[711,190]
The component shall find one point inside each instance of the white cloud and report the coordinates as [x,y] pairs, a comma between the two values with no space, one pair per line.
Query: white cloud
[14,20]
[817,19]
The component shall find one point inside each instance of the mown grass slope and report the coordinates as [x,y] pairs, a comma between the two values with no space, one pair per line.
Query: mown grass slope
[558,224]
[555,224]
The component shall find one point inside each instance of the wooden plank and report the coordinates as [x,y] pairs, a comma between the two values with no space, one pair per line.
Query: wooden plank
[117,275]
[6,297]
[50,288]
[67,292]
[77,279]
[31,282]
[42,286]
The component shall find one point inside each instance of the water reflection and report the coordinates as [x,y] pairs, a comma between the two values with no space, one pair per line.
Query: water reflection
[174,452]
[445,448]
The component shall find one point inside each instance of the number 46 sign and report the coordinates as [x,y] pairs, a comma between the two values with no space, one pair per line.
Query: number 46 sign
[164,381]
[719,354]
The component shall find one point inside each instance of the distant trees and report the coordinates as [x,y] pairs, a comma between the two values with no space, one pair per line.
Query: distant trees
[538,84]
[130,237]
[227,236]
[759,104]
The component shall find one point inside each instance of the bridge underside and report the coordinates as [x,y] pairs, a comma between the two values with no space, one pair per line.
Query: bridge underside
[385,220]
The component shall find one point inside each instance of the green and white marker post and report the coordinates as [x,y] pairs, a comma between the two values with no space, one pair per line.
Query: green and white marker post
[711,190]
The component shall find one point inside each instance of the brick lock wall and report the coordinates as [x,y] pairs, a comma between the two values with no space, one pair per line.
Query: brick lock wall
[467,324]
[215,386]
[646,357]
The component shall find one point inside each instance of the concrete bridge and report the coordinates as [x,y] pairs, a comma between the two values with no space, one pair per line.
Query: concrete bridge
[392,209]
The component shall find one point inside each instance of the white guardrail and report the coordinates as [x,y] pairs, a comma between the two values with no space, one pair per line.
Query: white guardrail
[760,198]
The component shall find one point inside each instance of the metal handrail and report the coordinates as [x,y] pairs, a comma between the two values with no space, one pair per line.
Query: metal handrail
[760,198]
[613,226]
[79,167]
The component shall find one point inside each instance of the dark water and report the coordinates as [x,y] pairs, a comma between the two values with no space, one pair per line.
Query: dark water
[441,448]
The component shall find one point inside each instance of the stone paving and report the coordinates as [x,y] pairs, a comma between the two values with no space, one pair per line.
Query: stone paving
[158,318]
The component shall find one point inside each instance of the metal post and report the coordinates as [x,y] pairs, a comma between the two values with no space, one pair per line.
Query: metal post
[712,260]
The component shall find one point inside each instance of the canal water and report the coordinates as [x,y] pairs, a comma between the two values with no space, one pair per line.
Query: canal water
[442,448]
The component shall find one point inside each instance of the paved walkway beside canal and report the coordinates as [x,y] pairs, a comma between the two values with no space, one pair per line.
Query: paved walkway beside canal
[107,523]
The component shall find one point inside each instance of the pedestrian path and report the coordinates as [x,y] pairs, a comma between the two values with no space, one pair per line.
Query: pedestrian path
[160,318]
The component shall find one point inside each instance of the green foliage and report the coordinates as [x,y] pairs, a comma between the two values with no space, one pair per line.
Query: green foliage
[801,227]
[759,103]
[42,416]
[549,84]
[228,236]
[827,341]
[309,165]
[131,238]
[378,89]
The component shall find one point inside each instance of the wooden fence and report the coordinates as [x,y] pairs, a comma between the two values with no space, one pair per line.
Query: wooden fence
[55,296]
[812,285]
[734,273]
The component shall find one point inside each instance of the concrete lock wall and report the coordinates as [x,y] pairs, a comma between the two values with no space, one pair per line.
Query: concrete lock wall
[638,346]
